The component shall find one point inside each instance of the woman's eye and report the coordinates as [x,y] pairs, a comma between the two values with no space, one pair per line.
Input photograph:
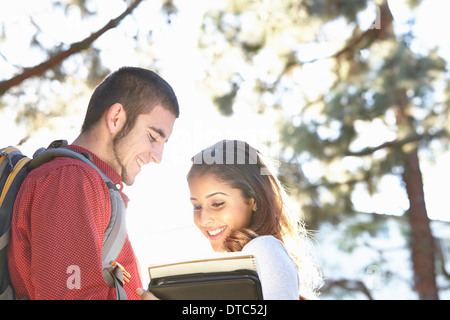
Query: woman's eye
[197,208]
[218,204]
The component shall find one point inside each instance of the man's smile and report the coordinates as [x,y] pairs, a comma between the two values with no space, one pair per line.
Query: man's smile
[140,162]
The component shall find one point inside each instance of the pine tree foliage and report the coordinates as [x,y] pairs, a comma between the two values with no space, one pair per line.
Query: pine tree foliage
[373,79]
[337,71]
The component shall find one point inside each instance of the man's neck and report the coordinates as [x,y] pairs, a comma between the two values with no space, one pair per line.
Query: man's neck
[95,143]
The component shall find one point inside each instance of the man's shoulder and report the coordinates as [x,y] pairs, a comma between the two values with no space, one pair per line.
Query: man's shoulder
[77,169]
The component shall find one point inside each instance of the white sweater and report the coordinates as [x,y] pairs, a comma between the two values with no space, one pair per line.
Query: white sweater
[277,271]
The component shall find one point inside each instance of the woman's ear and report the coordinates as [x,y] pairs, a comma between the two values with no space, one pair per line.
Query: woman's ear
[116,118]
[255,206]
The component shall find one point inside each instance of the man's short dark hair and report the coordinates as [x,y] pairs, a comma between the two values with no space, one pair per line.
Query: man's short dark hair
[138,90]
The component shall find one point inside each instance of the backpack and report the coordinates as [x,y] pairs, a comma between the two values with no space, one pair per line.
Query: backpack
[14,167]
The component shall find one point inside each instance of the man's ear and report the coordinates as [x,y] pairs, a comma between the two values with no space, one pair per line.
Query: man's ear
[115,118]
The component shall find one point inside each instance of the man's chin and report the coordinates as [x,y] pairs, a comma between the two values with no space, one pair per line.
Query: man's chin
[127,179]
[128,182]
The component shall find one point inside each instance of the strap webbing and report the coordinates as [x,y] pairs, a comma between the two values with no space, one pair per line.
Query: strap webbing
[19,165]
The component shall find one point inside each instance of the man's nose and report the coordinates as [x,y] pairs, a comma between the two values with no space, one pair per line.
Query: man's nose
[157,152]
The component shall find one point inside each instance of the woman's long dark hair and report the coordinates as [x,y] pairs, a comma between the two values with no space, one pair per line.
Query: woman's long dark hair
[241,166]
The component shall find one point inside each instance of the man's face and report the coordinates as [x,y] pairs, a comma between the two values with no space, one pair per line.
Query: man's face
[144,143]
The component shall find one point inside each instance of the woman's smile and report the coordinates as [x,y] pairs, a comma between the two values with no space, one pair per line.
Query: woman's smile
[219,209]
[215,234]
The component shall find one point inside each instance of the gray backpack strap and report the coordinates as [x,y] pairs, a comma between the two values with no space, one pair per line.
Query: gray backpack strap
[115,236]
[8,294]
[115,233]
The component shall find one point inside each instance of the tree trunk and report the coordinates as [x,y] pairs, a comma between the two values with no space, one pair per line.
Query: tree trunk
[421,238]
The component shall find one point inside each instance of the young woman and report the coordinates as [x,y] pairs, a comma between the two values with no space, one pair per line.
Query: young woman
[240,206]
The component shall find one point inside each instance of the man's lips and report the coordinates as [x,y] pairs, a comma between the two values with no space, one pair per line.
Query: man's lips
[140,162]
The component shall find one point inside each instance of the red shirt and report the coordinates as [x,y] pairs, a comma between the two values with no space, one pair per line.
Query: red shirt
[60,215]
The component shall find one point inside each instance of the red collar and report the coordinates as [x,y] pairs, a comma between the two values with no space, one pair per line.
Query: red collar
[103,166]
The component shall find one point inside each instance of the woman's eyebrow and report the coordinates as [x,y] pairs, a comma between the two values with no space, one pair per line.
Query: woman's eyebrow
[210,195]
[213,194]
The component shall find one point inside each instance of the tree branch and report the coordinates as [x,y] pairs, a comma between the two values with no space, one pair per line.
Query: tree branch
[57,58]
[398,143]
[354,44]
[440,255]
[349,285]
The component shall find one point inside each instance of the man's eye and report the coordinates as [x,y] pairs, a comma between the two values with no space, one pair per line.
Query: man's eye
[197,208]
[152,138]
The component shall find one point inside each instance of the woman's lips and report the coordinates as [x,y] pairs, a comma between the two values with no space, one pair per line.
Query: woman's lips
[214,234]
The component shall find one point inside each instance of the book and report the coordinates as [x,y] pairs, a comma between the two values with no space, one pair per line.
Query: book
[220,263]
[230,276]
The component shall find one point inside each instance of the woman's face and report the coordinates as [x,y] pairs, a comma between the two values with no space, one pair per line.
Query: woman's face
[218,208]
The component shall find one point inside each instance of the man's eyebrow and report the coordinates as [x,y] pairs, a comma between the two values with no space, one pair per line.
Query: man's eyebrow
[158,131]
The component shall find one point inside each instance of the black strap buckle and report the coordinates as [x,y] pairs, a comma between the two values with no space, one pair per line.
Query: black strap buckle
[58,144]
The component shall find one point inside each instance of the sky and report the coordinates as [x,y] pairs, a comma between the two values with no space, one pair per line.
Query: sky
[160,214]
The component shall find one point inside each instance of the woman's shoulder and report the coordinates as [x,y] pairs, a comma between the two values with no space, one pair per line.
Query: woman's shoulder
[276,268]
[263,241]
[266,245]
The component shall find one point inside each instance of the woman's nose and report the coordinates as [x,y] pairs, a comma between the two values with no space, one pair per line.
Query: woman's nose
[207,218]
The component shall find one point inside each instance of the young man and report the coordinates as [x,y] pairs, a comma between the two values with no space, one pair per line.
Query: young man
[63,206]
